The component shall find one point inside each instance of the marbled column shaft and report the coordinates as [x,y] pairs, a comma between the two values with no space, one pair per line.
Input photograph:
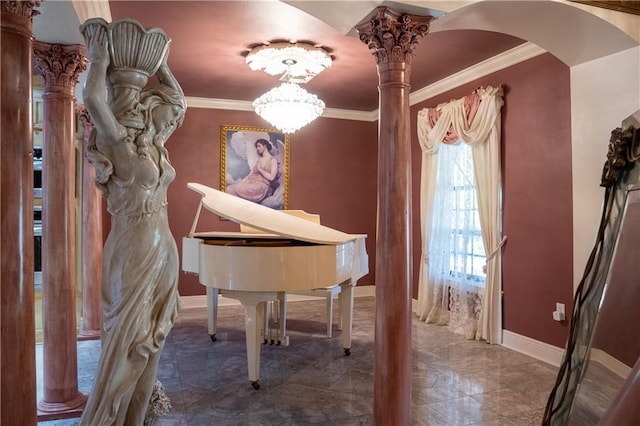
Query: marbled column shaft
[17,347]
[391,38]
[92,239]
[60,66]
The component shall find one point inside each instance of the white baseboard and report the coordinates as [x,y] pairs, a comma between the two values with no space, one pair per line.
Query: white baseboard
[200,301]
[533,348]
[610,363]
[525,345]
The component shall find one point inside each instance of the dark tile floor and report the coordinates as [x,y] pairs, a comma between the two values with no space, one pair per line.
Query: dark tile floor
[311,382]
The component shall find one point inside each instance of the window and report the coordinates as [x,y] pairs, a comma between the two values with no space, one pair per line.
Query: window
[456,219]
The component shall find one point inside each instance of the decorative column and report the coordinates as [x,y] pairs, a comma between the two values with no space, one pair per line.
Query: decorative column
[60,66]
[92,239]
[17,310]
[391,37]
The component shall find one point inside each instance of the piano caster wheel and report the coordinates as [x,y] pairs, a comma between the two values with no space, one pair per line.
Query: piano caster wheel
[255,385]
[347,351]
[213,338]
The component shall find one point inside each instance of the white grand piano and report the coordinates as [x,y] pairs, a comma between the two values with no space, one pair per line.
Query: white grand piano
[289,254]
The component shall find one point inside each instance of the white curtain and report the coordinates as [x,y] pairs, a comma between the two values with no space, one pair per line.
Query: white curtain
[474,120]
[456,252]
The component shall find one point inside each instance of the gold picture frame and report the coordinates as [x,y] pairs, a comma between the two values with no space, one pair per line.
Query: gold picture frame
[247,165]
[626,6]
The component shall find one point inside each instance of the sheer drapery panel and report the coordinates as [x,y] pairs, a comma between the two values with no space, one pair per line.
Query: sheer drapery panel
[473,120]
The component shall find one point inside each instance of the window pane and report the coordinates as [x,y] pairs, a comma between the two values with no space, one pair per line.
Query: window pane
[464,240]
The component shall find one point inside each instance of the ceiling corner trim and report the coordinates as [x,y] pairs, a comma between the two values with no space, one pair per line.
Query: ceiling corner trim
[503,60]
[235,105]
[347,114]
[212,103]
[92,9]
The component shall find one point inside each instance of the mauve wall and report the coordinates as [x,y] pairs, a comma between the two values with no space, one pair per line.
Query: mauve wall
[334,168]
[332,173]
[537,208]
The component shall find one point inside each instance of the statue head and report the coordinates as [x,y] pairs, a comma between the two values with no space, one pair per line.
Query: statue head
[125,88]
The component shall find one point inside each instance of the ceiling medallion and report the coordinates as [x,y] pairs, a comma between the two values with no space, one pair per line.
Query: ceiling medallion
[289,107]
[293,61]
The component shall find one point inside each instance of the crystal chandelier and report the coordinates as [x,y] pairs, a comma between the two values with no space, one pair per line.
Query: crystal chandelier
[289,107]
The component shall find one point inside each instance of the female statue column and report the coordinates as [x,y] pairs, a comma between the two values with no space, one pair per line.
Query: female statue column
[140,260]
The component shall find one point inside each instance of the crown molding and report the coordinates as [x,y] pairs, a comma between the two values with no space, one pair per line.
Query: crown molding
[233,105]
[503,60]
[348,114]
[213,103]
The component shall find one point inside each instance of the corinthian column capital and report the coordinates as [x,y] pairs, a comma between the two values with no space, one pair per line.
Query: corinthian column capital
[84,117]
[391,37]
[21,8]
[86,122]
[59,64]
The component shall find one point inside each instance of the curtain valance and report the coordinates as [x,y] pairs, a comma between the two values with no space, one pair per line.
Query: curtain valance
[469,119]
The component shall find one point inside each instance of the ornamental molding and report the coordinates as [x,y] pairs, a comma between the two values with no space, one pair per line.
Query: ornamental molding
[87,126]
[24,9]
[59,64]
[622,153]
[392,37]
[84,117]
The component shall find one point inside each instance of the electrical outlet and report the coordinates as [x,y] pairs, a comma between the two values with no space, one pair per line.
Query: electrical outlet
[558,314]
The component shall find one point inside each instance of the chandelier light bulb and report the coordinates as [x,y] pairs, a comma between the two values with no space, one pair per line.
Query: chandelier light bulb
[288,107]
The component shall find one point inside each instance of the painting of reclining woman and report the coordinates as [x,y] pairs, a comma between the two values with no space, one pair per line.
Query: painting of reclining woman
[255,165]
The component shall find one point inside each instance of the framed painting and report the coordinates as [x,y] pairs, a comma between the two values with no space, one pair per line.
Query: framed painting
[255,165]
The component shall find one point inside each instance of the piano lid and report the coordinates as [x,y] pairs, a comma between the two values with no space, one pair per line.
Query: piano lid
[267,219]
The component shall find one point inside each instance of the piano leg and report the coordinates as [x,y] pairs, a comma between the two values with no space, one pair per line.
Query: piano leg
[268,313]
[330,315]
[212,311]
[254,305]
[346,314]
[254,316]
[339,311]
